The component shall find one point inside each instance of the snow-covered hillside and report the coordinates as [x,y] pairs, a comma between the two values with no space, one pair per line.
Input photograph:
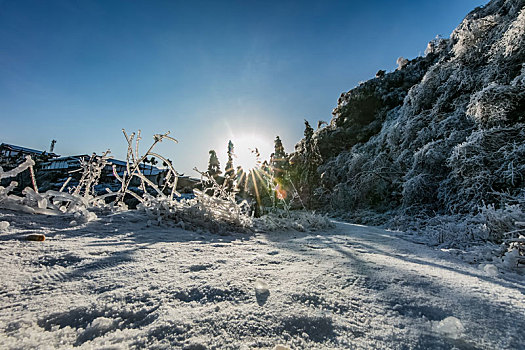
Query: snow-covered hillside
[444,134]
[117,283]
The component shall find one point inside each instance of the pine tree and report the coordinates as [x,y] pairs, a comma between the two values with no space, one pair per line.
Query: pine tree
[305,172]
[229,171]
[214,167]
[308,131]
[278,160]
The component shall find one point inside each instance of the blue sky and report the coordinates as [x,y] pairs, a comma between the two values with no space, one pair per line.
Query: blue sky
[80,71]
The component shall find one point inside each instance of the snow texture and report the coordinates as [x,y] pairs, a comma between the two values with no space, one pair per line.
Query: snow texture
[117,283]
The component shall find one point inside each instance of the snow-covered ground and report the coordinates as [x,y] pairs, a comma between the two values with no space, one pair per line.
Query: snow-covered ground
[117,283]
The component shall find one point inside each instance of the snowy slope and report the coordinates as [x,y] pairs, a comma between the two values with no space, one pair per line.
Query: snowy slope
[117,283]
[443,134]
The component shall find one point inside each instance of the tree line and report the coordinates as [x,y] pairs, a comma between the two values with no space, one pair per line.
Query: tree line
[285,181]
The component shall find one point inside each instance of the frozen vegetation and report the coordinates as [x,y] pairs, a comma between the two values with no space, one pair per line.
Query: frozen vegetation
[213,208]
[435,149]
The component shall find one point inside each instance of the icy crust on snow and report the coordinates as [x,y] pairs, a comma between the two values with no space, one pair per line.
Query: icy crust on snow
[118,283]
[443,135]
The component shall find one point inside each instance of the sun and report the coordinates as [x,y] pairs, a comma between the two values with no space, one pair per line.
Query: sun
[246,147]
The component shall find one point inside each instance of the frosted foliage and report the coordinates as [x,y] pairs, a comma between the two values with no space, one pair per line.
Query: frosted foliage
[91,170]
[454,145]
[499,222]
[485,168]
[471,35]
[436,45]
[401,63]
[215,209]
[203,212]
[48,203]
[492,105]
[513,38]
[218,212]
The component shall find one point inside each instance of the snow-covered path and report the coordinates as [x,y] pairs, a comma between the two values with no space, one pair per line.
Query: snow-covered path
[117,283]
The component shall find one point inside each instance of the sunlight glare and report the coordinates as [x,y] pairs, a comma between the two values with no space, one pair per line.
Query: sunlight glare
[244,147]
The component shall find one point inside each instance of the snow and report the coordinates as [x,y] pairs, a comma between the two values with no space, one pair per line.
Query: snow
[115,282]
[491,270]
[450,327]
[4,225]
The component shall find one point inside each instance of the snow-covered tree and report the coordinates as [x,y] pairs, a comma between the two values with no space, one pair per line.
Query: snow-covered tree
[278,160]
[214,166]
[229,171]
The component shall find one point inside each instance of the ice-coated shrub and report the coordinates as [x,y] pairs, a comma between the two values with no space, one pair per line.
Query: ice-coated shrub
[454,144]
[401,63]
[471,37]
[48,203]
[91,170]
[449,230]
[497,105]
[203,212]
[498,223]
[436,45]
[484,167]
[513,38]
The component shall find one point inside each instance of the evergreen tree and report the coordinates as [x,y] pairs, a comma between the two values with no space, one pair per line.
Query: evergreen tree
[278,160]
[229,171]
[310,178]
[308,131]
[304,172]
[214,167]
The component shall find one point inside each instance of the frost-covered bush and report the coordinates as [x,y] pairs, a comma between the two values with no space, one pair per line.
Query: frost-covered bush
[498,105]
[450,230]
[91,170]
[49,202]
[499,222]
[401,63]
[513,38]
[489,167]
[472,36]
[203,212]
[437,45]
[455,143]
[218,212]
